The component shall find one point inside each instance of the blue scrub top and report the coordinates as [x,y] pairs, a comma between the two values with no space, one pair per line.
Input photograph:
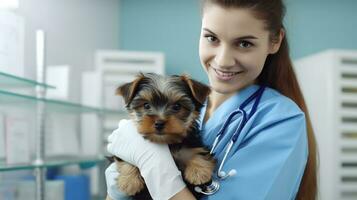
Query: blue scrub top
[270,153]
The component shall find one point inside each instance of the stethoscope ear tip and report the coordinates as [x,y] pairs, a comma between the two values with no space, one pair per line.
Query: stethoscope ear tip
[233,172]
[224,175]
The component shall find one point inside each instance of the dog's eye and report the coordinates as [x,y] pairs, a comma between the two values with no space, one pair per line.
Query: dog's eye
[147,106]
[176,107]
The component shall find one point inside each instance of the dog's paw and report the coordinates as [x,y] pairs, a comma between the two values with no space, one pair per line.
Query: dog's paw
[130,181]
[199,170]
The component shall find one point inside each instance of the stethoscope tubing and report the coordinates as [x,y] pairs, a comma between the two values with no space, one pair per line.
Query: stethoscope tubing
[214,186]
[257,96]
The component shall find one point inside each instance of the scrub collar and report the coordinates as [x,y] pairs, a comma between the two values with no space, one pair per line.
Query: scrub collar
[223,110]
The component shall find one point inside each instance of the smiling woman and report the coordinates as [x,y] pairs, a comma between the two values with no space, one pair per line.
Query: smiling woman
[233,53]
[255,119]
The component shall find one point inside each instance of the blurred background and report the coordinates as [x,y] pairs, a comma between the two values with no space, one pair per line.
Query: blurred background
[56,110]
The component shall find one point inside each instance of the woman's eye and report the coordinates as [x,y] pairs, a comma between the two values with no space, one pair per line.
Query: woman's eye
[211,38]
[147,106]
[176,107]
[245,44]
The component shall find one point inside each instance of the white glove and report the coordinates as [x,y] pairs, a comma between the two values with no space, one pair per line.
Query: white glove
[111,173]
[154,161]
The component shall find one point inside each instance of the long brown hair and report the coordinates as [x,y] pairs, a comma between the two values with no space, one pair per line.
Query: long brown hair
[278,73]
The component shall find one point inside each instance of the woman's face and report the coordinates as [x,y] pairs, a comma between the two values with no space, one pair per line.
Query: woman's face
[233,48]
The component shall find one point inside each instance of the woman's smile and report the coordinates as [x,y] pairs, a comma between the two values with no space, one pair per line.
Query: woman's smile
[225,75]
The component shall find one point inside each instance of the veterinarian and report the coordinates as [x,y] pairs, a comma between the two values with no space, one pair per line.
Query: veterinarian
[267,148]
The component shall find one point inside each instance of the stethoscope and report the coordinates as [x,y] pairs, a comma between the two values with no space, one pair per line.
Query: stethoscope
[214,185]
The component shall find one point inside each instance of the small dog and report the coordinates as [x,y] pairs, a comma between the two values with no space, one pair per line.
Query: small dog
[166,110]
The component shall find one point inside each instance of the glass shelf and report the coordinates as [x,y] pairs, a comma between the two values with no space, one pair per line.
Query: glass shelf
[55,162]
[29,102]
[8,80]
[96,197]
[115,113]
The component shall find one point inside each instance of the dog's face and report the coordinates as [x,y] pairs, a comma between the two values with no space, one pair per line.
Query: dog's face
[164,107]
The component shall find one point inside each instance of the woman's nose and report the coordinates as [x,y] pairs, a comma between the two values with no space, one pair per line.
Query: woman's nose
[224,58]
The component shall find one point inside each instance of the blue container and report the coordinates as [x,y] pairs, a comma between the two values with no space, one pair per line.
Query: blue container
[76,187]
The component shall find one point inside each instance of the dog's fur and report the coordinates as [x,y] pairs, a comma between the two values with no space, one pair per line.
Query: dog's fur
[166,110]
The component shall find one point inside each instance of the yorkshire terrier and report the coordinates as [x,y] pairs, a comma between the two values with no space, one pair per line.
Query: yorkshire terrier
[166,110]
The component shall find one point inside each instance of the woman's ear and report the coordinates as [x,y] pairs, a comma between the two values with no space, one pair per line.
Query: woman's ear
[275,45]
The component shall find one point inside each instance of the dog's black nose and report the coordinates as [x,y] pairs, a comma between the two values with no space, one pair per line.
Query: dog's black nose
[159,125]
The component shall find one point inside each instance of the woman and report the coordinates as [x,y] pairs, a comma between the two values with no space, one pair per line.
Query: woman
[243,47]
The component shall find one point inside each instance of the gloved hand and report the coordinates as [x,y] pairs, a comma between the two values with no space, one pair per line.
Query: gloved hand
[154,161]
[111,173]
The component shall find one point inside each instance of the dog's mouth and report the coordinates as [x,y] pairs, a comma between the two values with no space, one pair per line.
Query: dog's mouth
[171,132]
[164,138]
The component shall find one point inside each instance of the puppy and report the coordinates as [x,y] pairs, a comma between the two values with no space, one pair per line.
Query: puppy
[166,110]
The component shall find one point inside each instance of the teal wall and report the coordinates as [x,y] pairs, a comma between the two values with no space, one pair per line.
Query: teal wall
[173,27]
[315,25]
[163,25]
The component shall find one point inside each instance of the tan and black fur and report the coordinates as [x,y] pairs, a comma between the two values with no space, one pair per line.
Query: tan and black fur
[166,110]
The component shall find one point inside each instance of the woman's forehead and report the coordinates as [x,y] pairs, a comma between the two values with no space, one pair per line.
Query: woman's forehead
[232,22]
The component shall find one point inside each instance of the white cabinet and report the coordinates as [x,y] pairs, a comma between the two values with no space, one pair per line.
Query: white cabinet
[117,67]
[112,69]
[329,84]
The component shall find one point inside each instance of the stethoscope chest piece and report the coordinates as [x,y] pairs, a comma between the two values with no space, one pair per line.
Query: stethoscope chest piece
[208,189]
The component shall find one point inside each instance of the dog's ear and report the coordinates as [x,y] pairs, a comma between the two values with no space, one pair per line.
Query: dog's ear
[128,90]
[199,90]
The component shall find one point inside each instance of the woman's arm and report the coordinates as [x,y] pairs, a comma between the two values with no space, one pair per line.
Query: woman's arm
[183,194]
[111,174]
[154,161]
